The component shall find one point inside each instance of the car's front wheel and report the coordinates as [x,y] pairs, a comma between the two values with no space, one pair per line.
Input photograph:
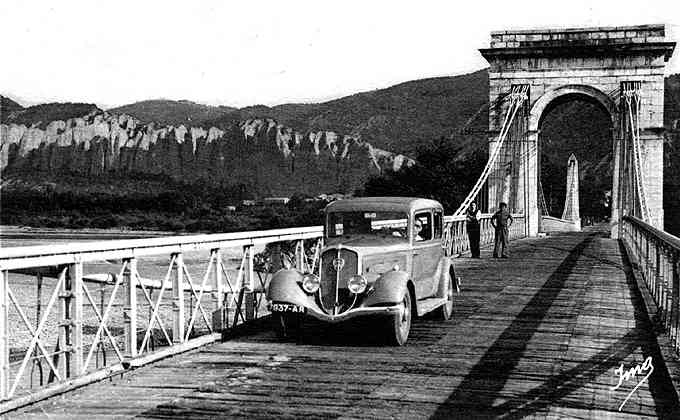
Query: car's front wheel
[400,325]
[445,311]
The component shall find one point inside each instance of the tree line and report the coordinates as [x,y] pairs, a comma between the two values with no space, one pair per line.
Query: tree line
[148,205]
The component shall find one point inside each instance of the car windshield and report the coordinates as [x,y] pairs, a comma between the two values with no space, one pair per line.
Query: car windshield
[357,225]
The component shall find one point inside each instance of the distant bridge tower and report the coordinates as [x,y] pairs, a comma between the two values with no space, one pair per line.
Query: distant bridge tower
[620,69]
[571,203]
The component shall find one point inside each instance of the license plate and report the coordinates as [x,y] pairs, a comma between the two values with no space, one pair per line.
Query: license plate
[287,307]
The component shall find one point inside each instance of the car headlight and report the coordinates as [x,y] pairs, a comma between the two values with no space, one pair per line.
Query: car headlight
[310,283]
[357,284]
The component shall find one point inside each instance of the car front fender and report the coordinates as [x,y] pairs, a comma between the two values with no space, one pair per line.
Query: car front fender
[444,269]
[284,287]
[388,289]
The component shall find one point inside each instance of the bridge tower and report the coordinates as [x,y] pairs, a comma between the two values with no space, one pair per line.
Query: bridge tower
[620,69]
[571,202]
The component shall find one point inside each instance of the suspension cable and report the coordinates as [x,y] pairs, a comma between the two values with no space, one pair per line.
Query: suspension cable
[518,95]
[631,94]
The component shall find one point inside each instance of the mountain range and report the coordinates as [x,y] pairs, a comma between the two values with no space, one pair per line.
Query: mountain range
[333,146]
[399,118]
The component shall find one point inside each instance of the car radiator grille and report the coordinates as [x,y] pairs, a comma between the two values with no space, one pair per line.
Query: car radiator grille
[329,278]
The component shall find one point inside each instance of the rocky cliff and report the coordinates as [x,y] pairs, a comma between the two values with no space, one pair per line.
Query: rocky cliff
[262,154]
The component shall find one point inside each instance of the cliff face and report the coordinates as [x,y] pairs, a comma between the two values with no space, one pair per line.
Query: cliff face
[265,156]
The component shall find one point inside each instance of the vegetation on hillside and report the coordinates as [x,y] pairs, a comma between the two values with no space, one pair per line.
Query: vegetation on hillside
[43,114]
[147,204]
[167,112]
[399,118]
[671,183]
[8,106]
[438,174]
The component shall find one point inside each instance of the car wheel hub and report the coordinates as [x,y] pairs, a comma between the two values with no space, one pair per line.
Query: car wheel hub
[405,320]
[449,299]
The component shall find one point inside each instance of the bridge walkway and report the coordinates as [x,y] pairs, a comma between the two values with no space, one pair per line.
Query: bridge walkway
[537,335]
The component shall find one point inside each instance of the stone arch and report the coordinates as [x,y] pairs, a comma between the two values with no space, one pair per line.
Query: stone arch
[556,63]
[543,104]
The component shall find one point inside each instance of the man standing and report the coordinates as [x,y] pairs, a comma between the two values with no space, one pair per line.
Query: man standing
[472,224]
[501,221]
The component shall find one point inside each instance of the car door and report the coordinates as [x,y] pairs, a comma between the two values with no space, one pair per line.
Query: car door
[426,252]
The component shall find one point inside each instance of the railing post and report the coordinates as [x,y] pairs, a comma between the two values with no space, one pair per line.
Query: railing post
[217,276]
[130,308]
[76,274]
[219,317]
[4,342]
[668,289]
[66,324]
[662,286]
[676,295]
[657,271]
[300,255]
[178,301]
[647,259]
[249,275]
[637,245]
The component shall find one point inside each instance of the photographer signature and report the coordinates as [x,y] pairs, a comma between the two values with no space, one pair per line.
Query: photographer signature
[645,367]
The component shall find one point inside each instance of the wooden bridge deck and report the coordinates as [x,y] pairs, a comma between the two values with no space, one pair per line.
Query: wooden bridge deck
[538,335]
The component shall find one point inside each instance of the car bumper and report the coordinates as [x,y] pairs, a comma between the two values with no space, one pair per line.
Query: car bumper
[353,313]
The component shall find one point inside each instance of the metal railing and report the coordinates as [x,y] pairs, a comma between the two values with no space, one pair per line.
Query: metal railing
[73,314]
[657,255]
[455,233]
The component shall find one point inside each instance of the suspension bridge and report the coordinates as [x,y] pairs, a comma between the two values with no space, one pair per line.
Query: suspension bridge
[176,327]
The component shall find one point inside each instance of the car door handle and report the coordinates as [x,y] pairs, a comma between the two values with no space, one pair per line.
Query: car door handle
[415,254]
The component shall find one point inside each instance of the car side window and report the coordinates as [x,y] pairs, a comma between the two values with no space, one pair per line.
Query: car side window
[437,224]
[422,227]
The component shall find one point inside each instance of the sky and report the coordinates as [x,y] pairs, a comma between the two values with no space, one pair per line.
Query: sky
[240,53]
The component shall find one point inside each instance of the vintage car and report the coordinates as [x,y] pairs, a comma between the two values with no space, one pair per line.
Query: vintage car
[382,257]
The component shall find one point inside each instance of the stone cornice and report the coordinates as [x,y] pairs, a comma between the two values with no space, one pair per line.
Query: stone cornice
[580,50]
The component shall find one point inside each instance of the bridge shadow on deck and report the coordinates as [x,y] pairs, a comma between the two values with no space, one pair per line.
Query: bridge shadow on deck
[481,387]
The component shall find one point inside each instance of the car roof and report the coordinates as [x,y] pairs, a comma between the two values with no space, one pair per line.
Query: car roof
[405,204]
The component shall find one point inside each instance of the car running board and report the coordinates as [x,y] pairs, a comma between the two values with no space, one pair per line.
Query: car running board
[428,305]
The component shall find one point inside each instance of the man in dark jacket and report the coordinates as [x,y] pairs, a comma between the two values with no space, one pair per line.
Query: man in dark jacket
[473,215]
[501,221]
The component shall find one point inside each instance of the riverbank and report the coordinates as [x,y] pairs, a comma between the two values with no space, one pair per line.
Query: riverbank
[11,236]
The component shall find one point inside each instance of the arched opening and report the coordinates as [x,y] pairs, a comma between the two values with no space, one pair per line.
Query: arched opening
[576,120]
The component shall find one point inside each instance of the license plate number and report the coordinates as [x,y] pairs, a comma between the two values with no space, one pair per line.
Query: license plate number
[287,307]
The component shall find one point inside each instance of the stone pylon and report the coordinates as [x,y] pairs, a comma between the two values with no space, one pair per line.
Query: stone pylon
[571,203]
[561,64]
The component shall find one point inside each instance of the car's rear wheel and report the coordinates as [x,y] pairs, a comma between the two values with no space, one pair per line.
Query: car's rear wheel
[400,325]
[445,311]
[286,325]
